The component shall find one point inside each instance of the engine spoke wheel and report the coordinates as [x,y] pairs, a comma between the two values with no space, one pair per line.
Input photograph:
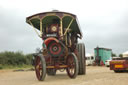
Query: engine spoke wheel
[72,62]
[40,67]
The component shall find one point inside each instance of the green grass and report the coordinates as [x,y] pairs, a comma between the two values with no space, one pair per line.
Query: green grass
[1,67]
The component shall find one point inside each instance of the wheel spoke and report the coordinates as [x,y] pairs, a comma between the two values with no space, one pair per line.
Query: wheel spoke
[40,67]
[72,69]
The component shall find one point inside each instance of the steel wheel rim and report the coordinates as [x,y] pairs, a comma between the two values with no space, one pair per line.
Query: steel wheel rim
[71,66]
[38,68]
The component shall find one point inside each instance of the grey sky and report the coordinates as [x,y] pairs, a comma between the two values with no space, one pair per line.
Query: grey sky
[103,23]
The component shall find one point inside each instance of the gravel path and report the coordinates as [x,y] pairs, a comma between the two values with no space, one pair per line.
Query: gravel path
[95,76]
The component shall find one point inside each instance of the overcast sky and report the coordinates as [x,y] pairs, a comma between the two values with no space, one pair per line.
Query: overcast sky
[104,23]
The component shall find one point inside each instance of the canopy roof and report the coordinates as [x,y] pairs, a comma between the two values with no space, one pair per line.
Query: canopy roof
[46,18]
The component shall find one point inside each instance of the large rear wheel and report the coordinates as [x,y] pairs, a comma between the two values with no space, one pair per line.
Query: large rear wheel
[72,63]
[40,67]
[81,57]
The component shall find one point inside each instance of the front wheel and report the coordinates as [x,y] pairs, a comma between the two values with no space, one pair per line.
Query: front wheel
[72,63]
[40,67]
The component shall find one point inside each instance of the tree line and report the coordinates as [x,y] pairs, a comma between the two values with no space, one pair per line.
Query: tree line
[15,59]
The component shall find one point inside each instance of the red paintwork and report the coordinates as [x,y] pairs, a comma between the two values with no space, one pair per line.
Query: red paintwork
[59,48]
[48,40]
[122,63]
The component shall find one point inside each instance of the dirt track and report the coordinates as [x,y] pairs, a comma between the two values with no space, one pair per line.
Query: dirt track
[94,76]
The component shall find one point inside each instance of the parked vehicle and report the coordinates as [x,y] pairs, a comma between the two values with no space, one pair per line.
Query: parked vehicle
[89,59]
[107,63]
[119,64]
[60,49]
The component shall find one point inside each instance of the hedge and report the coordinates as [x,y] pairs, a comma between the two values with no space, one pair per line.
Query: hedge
[14,58]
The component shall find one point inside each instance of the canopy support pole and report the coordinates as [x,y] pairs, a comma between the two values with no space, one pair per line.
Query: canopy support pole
[68,26]
[61,28]
[34,28]
[41,28]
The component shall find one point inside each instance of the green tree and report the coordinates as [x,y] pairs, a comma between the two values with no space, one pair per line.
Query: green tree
[15,58]
[113,55]
[120,55]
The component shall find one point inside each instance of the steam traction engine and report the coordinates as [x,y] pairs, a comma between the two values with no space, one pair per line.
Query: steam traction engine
[60,49]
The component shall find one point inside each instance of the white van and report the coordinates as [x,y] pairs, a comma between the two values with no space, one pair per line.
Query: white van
[89,59]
